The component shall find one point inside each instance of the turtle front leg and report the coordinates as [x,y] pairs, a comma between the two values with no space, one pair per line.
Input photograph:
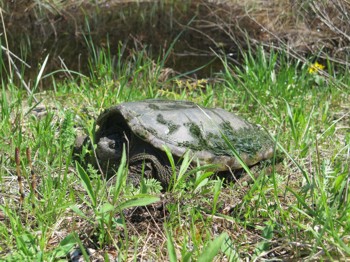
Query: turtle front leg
[153,168]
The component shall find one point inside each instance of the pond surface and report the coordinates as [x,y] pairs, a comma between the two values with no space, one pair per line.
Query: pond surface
[152,26]
[68,31]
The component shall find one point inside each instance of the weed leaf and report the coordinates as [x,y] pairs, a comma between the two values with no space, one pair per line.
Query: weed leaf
[76,209]
[141,200]
[106,207]
[212,249]
[65,246]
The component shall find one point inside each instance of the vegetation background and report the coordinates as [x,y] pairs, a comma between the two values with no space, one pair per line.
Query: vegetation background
[280,64]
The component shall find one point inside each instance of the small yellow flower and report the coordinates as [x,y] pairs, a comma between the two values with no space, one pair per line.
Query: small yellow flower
[315,67]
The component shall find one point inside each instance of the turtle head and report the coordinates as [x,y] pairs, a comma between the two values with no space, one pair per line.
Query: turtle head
[109,148]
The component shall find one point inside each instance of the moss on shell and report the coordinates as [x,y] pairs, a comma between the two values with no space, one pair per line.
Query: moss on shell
[170,124]
[250,141]
[153,106]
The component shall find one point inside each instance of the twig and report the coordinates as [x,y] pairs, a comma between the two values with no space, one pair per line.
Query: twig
[33,176]
[15,56]
[23,82]
[65,68]
[19,177]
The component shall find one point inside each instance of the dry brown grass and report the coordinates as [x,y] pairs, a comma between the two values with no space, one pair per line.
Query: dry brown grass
[301,28]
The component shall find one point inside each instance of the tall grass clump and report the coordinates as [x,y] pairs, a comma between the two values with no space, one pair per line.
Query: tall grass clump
[303,108]
[123,74]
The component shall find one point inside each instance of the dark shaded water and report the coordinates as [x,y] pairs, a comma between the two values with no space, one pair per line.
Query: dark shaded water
[205,27]
[150,25]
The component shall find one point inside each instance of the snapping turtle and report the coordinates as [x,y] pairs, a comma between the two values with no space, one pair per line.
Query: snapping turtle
[147,126]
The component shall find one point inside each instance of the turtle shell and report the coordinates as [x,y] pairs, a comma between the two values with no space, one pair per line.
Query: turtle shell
[211,134]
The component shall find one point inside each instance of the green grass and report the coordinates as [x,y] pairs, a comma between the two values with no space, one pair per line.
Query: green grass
[300,210]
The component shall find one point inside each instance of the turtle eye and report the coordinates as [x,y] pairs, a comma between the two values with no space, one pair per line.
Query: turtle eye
[111,144]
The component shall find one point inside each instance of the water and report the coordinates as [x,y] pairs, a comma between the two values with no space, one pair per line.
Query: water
[147,25]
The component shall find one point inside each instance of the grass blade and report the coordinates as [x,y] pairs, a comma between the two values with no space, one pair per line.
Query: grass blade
[170,246]
[119,179]
[40,73]
[86,183]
